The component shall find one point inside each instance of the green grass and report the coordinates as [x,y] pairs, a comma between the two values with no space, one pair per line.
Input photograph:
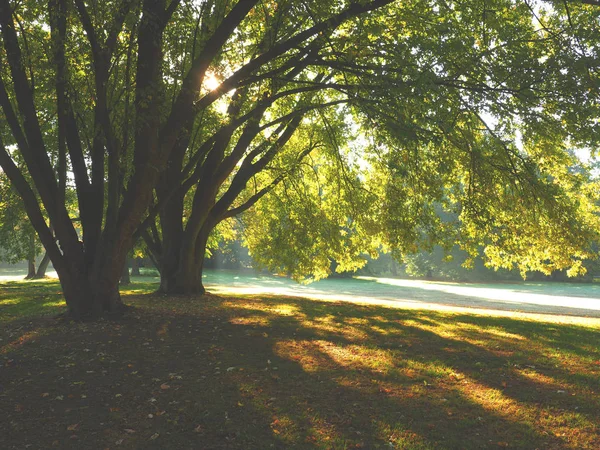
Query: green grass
[27,299]
[280,372]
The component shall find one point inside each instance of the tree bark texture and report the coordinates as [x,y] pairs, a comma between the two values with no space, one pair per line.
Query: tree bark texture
[135,266]
[125,278]
[42,267]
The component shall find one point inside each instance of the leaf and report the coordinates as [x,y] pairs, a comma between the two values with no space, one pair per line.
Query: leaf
[154,436]
[73,427]
[165,386]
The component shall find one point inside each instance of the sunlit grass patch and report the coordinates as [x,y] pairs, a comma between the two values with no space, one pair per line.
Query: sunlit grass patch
[22,299]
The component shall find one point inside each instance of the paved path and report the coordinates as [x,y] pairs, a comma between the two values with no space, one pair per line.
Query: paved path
[541,298]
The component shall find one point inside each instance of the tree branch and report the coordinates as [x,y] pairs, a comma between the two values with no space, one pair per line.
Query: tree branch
[182,113]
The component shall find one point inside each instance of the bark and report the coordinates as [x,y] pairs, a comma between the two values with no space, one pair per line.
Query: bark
[91,293]
[125,278]
[31,258]
[171,220]
[172,238]
[135,267]
[43,266]
[188,279]
[30,269]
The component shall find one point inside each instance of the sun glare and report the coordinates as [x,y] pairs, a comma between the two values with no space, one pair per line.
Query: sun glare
[210,81]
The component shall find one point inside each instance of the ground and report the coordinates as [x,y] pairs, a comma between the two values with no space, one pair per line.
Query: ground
[259,372]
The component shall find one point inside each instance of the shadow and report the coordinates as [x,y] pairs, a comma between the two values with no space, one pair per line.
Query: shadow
[216,373]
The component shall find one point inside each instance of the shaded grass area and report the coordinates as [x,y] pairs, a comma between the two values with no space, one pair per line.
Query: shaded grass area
[275,372]
[34,298]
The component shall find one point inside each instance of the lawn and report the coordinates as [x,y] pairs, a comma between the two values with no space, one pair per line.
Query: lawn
[279,372]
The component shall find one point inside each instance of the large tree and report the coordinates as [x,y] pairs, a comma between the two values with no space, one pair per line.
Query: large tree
[97,71]
[192,111]
[442,101]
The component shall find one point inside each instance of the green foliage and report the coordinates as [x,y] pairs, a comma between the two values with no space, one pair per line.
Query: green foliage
[320,214]
[17,236]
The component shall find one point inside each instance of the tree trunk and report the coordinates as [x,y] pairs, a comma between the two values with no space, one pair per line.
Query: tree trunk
[171,221]
[394,268]
[41,270]
[125,278]
[135,267]
[30,268]
[188,278]
[31,258]
[92,292]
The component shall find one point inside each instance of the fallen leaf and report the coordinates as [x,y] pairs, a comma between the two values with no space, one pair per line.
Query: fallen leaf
[129,430]
[72,427]
[164,386]
[154,436]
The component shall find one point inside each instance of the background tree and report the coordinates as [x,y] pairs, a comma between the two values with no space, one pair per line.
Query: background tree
[18,240]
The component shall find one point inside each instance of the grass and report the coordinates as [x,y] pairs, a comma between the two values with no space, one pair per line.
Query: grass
[278,372]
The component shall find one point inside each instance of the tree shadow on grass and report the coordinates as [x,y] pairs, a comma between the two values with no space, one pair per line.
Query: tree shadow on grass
[287,373]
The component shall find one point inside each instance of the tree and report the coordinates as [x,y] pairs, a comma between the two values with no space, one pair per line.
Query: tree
[17,237]
[193,112]
[459,89]
[104,81]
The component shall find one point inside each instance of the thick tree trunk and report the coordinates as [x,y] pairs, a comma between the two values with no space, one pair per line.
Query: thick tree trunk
[43,266]
[91,293]
[188,277]
[30,268]
[125,278]
[171,221]
[135,267]
[31,258]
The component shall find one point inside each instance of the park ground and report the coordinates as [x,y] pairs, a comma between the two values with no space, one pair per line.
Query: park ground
[259,371]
